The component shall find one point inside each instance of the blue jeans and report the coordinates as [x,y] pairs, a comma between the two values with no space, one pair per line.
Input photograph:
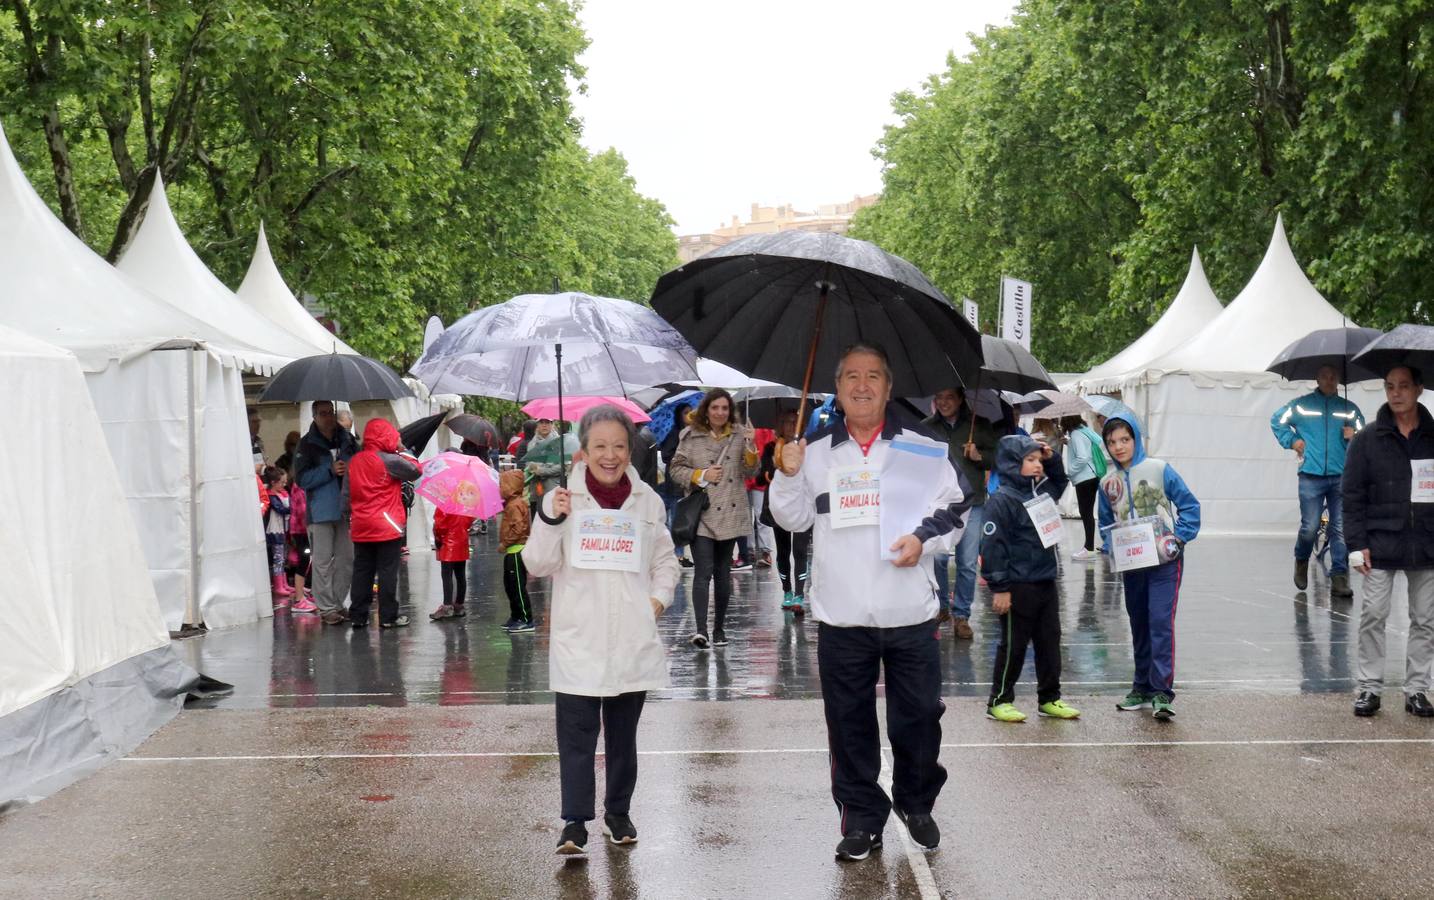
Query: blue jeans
[1316,493]
[968,554]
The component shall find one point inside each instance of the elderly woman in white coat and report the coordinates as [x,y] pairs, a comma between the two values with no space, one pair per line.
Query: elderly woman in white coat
[604,540]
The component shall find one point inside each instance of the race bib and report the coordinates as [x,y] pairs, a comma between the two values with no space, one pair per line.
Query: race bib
[606,539]
[855,493]
[1133,547]
[1421,489]
[1047,519]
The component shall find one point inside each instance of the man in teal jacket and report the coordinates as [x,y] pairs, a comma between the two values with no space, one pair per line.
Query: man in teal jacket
[1318,427]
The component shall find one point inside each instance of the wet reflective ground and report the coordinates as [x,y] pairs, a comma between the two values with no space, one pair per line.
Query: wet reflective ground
[420,763]
[1240,626]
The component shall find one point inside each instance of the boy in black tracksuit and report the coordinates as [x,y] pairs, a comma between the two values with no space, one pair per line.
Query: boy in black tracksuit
[1022,572]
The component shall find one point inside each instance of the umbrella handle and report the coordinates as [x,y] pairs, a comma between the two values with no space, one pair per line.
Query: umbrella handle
[562,444]
[825,287]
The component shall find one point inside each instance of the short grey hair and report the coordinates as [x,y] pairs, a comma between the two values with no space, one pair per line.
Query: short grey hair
[869,349]
[606,413]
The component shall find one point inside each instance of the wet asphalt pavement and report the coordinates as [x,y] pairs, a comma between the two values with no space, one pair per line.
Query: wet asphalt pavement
[420,763]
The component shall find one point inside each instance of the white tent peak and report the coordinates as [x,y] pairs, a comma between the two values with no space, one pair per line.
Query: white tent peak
[1194,307]
[1278,306]
[265,291]
[160,259]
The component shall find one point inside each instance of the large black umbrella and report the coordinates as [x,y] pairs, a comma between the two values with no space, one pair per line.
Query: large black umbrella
[782,307]
[1406,345]
[336,376]
[1335,347]
[476,429]
[416,434]
[1010,367]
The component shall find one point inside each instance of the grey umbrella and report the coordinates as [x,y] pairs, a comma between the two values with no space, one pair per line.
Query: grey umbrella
[1327,347]
[1406,345]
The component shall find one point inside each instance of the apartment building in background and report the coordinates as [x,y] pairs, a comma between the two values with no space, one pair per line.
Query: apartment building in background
[833,218]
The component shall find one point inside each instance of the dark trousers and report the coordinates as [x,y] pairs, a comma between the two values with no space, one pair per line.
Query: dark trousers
[1151,596]
[1085,500]
[1034,618]
[849,660]
[375,559]
[579,719]
[454,576]
[515,583]
[792,558]
[712,562]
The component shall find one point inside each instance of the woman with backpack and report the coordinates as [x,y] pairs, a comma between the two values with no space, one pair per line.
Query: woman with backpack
[1085,466]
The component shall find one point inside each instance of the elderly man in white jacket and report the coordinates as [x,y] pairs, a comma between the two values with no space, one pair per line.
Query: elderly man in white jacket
[604,540]
[882,497]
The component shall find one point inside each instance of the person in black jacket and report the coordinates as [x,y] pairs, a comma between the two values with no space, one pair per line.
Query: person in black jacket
[1019,541]
[1389,522]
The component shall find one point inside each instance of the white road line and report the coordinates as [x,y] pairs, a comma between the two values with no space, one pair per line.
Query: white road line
[915,856]
[771,751]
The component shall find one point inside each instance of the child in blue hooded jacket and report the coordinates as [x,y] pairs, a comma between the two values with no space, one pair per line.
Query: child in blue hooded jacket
[1019,542]
[1138,493]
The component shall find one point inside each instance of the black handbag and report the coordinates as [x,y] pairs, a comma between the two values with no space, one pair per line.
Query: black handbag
[687,515]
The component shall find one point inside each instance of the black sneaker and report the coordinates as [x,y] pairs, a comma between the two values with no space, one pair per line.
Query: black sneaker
[685,563]
[619,829]
[922,828]
[400,622]
[719,638]
[574,840]
[741,565]
[358,623]
[508,625]
[1418,704]
[857,845]
[524,627]
[699,640]
[1366,704]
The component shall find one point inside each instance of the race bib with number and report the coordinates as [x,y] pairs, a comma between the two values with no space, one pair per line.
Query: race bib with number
[855,493]
[1421,489]
[1133,547]
[607,539]
[1047,519]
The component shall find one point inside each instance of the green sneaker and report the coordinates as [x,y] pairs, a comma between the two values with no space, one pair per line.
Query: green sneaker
[1134,700]
[789,600]
[1163,709]
[1057,709]
[1005,712]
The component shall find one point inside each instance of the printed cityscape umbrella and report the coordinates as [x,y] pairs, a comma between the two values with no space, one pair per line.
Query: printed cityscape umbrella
[1335,347]
[336,376]
[549,345]
[783,306]
[476,429]
[461,485]
[1406,345]
[548,408]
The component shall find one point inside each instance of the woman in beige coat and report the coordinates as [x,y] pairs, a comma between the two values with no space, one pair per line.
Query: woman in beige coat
[716,455]
[604,540]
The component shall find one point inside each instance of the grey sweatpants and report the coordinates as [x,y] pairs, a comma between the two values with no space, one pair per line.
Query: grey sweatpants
[1419,658]
[332,555]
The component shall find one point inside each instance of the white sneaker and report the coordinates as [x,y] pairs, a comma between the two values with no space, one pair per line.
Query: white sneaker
[1084,555]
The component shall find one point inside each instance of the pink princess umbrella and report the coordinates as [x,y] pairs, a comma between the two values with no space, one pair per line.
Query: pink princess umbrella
[461,485]
[574,407]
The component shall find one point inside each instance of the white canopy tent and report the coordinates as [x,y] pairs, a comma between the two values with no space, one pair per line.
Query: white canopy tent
[1194,307]
[168,392]
[86,669]
[264,291]
[1206,404]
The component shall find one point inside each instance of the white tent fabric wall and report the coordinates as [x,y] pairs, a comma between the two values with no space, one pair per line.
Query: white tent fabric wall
[264,290]
[80,602]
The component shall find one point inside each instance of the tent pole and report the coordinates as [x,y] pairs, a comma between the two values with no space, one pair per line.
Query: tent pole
[192,616]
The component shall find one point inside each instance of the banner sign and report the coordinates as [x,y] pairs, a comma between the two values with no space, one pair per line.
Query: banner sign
[968,308]
[1016,311]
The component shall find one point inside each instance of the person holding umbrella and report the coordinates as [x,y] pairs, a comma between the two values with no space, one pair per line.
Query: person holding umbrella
[971,443]
[378,520]
[320,464]
[604,541]
[852,481]
[1318,428]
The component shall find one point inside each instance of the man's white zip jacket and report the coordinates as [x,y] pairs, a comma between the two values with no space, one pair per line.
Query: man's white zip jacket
[850,584]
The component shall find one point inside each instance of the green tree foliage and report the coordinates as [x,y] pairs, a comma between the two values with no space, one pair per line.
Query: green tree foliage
[1087,146]
[408,159]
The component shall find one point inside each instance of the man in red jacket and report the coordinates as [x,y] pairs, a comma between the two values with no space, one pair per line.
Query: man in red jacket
[377,522]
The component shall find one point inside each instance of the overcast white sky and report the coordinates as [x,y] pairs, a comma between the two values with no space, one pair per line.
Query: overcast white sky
[724,103]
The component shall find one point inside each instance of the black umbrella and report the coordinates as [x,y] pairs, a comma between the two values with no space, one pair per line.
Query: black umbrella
[782,307]
[1335,347]
[336,376]
[1010,367]
[1406,345]
[476,429]
[416,434]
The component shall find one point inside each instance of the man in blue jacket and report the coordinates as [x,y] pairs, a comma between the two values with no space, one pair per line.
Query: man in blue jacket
[319,468]
[1318,428]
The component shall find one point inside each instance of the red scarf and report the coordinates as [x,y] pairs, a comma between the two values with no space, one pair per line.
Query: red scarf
[608,497]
